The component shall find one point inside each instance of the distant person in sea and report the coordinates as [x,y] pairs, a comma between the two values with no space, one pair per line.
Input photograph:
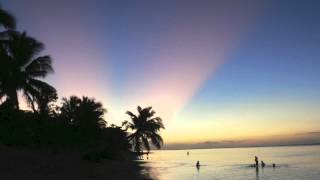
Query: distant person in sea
[198,164]
[188,153]
[273,165]
[263,164]
[256,161]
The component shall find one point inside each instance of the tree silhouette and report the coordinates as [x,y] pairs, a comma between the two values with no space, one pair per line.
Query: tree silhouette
[21,68]
[47,96]
[84,114]
[145,128]
[7,20]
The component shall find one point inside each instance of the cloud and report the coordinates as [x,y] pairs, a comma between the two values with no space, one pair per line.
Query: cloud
[309,133]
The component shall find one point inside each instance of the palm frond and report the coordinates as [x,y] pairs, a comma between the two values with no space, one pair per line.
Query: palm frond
[127,125]
[139,109]
[133,116]
[156,140]
[29,99]
[7,20]
[39,67]
[23,48]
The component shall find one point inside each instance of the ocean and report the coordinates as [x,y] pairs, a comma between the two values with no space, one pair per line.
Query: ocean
[292,163]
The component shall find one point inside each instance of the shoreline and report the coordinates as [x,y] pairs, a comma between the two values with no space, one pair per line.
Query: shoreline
[285,145]
[16,164]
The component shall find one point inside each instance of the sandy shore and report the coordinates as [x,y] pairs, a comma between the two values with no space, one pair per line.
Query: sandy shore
[38,165]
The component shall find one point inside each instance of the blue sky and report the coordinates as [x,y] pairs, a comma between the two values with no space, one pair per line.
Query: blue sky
[279,57]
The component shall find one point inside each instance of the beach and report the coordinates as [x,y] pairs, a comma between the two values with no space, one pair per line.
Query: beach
[18,164]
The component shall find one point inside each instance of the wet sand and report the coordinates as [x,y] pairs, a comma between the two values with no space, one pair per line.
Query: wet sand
[38,165]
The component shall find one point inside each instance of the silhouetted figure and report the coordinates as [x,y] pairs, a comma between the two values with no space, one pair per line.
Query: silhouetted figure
[198,164]
[147,155]
[273,165]
[198,167]
[256,161]
[263,164]
[188,153]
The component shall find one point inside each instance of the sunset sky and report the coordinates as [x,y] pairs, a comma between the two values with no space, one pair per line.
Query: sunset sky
[215,71]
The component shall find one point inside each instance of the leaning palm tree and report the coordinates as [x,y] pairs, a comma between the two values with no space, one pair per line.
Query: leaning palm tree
[21,68]
[7,20]
[145,129]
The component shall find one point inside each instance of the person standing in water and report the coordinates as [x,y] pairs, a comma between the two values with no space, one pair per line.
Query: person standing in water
[198,164]
[263,164]
[188,153]
[256,161]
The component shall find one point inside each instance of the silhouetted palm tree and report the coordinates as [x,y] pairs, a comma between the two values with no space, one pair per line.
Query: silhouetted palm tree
[145,129]
[84,114]
[21,68]
[7,20]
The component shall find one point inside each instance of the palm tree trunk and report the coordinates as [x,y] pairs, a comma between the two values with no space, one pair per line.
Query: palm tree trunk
[13,99]
[33,107]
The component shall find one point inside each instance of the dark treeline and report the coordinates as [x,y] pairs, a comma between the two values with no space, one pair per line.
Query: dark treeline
[77,124]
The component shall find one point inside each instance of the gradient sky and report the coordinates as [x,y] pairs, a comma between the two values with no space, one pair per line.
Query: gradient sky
[215,71]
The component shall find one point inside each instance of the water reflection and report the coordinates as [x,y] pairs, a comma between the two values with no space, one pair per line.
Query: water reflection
[198,168]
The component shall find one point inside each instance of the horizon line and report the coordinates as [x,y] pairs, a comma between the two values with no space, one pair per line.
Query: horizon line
[244,146]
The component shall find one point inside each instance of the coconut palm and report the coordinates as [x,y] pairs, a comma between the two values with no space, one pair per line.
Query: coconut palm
[145,129]
[21,68]
[84,113]
[7,20]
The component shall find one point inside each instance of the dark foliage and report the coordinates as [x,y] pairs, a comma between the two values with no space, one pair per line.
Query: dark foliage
[32,130]
[7,20]
[83,114]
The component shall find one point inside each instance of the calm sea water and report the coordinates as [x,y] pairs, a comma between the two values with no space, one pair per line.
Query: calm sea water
[295,162]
